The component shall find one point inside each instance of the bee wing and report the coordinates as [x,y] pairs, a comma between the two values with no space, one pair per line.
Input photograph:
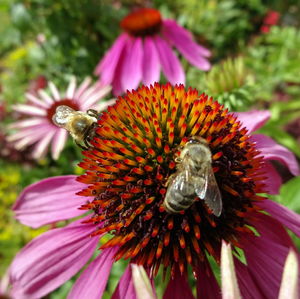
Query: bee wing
[207,189]
[62,115]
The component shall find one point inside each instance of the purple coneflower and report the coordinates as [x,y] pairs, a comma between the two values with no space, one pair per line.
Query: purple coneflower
[144,48]
[130,159]
[36,127]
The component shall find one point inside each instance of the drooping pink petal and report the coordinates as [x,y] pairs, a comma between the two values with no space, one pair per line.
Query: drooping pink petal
[132,70]
[36,101]
[184,43]
[82,87]
[54,91]
[26,137]
[253,120]
[58,143]
[273,151]
[71,88]
[265,254]
[287,217]
[103,105]
[178,288]
[45,96]
[230,288]
[51,259]
[185,36]
[49,200]
[289,285]
[125,288]
[40,149]
[151,64]
[249,289]
[273,180]
[144,288]
[92,282]
[116,84]
[29,110]
[94,100]
[207,285]
[171,65]
[34,121]
[106,68]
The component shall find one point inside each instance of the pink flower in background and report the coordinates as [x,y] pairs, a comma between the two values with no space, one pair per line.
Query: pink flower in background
[35,126]
[130,206]
[271,19]
[144,48]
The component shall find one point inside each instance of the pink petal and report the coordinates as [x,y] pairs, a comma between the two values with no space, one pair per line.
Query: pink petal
[253,120]
[230,288]
[125,288]
[151,65]
[273,180]
[51,259]
[132,69]
[178,288]
[265,254]
[207,285]
[116,84]
[92,282]
[71,88]
[40,149]
[106,68]
[287,217]
[49,200]
[82,87]
[54,91]
[273,151]
[36,101]
[171,65]
[184,43]
[185,36]
[95,99]
[29,110]
[248,287]
[33,121]
[289,286]
[144,288]
[44,95]
[58,143]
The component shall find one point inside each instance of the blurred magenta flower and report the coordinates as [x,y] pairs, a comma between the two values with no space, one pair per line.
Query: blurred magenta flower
[271,19]
[144,48]
[131,158]
[35,126]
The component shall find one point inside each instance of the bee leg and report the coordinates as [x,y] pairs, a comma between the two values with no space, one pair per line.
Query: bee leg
[170,178]
[81,146]
[93,113]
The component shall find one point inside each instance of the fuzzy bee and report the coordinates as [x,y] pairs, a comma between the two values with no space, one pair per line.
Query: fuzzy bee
[194,178]
[79,124]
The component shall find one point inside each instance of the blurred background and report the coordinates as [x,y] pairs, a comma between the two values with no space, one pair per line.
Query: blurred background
[256,65]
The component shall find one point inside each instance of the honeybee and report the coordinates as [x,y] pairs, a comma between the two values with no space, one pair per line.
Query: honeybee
[79,124]
[194,178]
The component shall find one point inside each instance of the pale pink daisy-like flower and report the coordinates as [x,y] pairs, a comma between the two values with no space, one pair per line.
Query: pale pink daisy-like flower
[144,48]
[130,159]
[36,127]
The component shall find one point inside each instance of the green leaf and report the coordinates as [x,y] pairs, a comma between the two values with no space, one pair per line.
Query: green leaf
[290,194]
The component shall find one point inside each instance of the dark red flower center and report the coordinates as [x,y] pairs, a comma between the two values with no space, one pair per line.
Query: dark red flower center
[131,158]
[145,21]
[67,102]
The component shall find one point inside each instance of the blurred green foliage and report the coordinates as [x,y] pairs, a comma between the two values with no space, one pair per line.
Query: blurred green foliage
[55,39]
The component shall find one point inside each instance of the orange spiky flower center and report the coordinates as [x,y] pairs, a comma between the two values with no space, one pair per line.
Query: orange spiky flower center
[132,157]
[142,22]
